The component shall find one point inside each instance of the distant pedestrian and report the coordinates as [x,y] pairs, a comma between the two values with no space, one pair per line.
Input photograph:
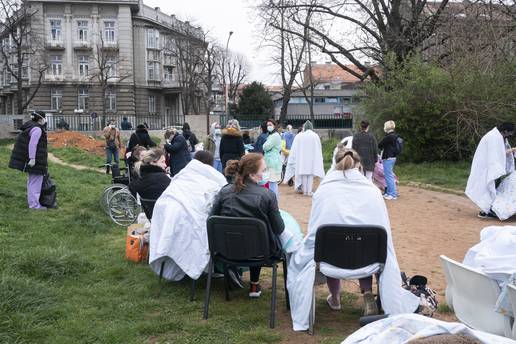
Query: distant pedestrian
[232,143]
[366,146]
[176,147]
[388,145]
[258,145]
[140,137]
[126,125]
[30,155]
[212,145]
[272,155]
[191,139]
[113,144]
[288,136]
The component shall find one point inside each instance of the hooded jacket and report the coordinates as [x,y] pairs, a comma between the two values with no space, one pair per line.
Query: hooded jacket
[140,137]
[231,145]
[179,154]
[20,153]
[150,186]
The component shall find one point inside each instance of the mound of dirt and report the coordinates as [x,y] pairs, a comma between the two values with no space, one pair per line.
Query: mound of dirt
[59,139]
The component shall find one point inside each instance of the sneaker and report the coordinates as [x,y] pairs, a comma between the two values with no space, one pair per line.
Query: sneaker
[299,190]
[370,306]
[390,198]
[235,279]
[484,215]
[255,290]
[333,306]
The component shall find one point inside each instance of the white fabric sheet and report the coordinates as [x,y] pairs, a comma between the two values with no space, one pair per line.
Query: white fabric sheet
[345,199]
[305,157]
[178,228]
[495,255]
[504,205]
[489,164]
[403,328]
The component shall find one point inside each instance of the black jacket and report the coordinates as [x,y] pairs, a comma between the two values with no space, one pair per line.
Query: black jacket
[388,144]
[20,153]
[188,135]
[231,146]
[253,201]
[149,186]
[366,146]
[179,154]
[140,137]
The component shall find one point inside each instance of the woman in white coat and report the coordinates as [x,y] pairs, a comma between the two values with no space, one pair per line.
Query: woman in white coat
[345,196]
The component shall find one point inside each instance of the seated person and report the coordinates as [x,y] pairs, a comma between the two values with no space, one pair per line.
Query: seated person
[247,198]
[346,196]
[153,179]
[178,228]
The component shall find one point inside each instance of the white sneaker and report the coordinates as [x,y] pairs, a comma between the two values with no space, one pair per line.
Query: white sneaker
[390,198]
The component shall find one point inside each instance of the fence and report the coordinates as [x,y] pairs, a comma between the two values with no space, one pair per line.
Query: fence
[330,121]
[94,123]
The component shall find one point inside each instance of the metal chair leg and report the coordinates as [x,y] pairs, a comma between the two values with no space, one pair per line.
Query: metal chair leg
[208,290]
[273,299]
[226,283]
[311,318]
[287,298]
[192,290]
[161,277]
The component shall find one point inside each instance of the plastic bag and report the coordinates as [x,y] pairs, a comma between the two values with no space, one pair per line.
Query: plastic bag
[48,196]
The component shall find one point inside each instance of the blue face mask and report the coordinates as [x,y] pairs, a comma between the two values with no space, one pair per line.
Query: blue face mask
[264,180]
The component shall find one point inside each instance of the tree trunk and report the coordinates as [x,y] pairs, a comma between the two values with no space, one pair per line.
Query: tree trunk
[284,106]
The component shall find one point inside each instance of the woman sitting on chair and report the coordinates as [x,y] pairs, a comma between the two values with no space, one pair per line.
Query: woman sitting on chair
[346,197]
[153,178]
[247,197]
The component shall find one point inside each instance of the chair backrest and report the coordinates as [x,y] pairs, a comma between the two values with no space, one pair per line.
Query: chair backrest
[238,238]
[350,246]
[511,290]
[445,262]
[147,204]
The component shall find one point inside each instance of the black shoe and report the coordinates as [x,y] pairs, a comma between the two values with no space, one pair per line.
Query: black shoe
[290,182]
[484,215]
[235,278]
[107,169]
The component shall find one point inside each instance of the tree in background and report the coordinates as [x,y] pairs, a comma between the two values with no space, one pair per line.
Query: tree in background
[255,100]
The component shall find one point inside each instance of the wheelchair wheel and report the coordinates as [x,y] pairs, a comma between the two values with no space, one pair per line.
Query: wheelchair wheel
[107,193]
[123,208]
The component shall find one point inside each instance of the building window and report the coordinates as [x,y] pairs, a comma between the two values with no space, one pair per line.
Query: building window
[25,72]
[83,66]
[56,65]
[319,100]
[110,99]
[83,98]
[55,30]
[56,99]
[152,71]
[109,31]
[82,30]
[152,39]
[326,87]
[152,104]
[169,72]
[153,55]
[111,67]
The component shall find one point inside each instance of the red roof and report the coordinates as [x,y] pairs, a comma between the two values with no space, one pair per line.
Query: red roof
[330,72]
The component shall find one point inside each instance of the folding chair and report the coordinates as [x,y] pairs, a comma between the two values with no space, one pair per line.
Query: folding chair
[511,289]
[449,281]
[474,298]
[239,241]
[349,247]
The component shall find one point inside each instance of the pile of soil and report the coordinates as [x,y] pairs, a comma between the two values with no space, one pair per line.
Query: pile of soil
[59,139]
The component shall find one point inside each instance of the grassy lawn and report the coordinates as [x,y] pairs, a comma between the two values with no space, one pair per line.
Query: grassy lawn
[65,279]
[74,155]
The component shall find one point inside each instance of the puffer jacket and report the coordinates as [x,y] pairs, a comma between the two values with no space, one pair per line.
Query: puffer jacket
[231,146]
[20,153]
[151,184]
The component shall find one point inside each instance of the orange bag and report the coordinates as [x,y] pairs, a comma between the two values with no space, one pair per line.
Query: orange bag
[136,247]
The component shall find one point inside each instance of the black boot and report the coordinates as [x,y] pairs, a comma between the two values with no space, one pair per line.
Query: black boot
[107,169]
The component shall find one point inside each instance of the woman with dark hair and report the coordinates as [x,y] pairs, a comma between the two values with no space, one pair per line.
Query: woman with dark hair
[247,198]
[176,147]
[365,145]
[258,145]
[205,157]
[190,138]
[140,137]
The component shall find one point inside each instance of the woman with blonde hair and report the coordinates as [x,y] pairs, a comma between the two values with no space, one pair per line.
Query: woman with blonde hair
[345,196]
[231,143]
[388,145]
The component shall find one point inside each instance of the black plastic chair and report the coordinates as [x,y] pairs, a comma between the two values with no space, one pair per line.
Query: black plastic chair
[349,247]
[237,241]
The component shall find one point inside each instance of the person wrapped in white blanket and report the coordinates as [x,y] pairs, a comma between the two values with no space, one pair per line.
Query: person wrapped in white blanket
[492,162]
[345,196]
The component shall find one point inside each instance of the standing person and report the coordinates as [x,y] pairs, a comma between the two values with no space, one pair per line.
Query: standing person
[272,155]
[231,143]
[140,137]
[113,144]
[190,137]
[389,146]
[490,163]
[126,125]
[258,145]
[30,155]
[365,145]
[289,136]
[212,145]
[176,147]
[305,160]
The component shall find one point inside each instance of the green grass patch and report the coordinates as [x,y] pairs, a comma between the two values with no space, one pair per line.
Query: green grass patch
[74,155]
[444,308]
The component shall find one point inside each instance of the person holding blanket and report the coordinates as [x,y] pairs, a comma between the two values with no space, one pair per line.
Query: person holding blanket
[345,196]
[272,155]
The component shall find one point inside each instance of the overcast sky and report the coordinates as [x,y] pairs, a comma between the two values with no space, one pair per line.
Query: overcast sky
[221,17]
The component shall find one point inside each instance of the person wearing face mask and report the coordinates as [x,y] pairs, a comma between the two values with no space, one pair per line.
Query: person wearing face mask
[113,143]
[30,155]
[246,197]
[212,145]
[272,155]
[153,179]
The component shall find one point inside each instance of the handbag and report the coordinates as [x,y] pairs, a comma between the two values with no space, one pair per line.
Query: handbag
[137,243]
[48,196]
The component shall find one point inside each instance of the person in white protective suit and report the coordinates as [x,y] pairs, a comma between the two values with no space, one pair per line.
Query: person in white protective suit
[492,161]
[178,234]
[345,196]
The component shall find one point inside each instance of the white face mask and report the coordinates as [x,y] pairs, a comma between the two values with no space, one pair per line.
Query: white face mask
[270,128]
[217,131]
[42,121]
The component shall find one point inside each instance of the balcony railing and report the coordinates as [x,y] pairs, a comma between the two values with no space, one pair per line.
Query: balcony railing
[52,77]
[82,45]
[55,44]
[108,45]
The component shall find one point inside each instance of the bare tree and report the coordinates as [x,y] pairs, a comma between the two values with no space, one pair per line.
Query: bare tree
[20,49]
[209,75]
[232,72]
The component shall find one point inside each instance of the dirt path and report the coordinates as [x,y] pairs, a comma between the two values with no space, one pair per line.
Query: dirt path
[56,160]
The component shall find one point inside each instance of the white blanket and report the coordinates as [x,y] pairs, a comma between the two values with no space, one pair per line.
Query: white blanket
[489,163]
[495,255]
[178,228]
[401,329]
[345,199]
[305,157]
[504,205]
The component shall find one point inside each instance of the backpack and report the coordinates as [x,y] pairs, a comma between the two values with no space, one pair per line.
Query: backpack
[398,145]
[417,285]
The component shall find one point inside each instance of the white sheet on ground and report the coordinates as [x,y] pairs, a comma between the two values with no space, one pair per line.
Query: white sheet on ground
[178,228]
[403,328]
[305,157]
[345,199]
[489,164]
[495,255]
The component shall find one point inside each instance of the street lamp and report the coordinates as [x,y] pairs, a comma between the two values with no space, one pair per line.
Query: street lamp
[226,86]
